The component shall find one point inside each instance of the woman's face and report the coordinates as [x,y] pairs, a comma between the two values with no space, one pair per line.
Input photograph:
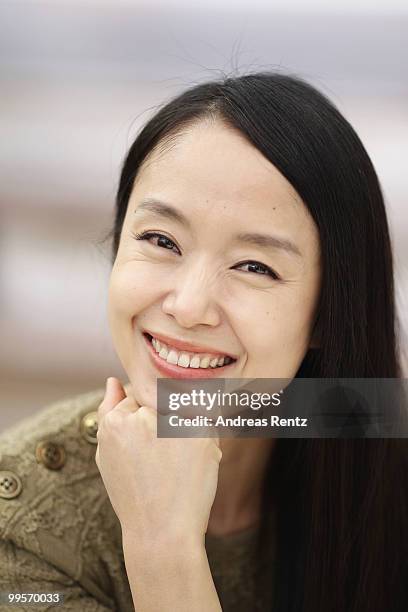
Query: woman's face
[235,270]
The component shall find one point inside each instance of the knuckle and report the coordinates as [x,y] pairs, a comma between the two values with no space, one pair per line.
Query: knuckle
[111,418]
[144,413]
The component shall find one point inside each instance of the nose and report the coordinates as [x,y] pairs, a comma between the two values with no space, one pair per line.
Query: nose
[191,300]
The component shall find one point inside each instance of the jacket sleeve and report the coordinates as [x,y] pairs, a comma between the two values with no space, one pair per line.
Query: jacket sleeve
[23,572]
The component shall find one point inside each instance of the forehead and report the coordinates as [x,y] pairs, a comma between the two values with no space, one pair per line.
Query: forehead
[211,172]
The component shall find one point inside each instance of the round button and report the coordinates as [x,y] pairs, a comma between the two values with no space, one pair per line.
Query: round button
[50,454]
[89,427]
[10,485]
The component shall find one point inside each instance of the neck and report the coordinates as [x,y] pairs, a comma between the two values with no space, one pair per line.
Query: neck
[237,503]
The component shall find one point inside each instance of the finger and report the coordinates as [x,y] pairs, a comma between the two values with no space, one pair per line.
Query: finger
[127,405]
[114,393]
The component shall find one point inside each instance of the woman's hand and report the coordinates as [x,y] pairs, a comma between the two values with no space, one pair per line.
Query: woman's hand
[161,489]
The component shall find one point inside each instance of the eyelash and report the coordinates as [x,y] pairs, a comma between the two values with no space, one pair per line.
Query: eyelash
[148,235]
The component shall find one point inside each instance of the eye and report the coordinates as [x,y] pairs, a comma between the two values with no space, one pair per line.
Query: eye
[260,269]
[162,241]
[165,243]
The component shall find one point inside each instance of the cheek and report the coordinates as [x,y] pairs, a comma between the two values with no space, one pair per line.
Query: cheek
[273,330]
[277,326]
[130,292]
[130,289]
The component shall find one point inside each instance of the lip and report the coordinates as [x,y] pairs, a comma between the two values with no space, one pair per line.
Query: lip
[170,370]
[188,346]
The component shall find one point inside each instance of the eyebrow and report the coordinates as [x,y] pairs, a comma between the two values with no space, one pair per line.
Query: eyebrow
[164,210]
[267,241]
[270,242]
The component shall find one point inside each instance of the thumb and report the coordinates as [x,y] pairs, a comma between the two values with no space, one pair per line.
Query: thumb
[114,393]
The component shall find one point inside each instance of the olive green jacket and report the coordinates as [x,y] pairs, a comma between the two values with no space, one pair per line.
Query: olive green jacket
[58,531]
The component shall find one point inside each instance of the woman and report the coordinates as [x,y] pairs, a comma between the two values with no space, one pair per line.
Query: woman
[250,241]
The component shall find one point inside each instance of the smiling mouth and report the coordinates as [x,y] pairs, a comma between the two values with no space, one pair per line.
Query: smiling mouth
[187,359]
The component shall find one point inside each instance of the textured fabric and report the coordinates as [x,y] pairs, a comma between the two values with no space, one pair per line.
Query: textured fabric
[243,578]
[60,534]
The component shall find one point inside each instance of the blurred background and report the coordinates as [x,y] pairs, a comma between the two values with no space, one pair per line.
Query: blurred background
[79,78]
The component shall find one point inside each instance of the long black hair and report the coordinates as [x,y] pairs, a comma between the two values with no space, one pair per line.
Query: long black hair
[342,505]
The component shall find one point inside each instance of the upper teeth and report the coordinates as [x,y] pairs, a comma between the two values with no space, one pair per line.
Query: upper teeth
[188,360]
